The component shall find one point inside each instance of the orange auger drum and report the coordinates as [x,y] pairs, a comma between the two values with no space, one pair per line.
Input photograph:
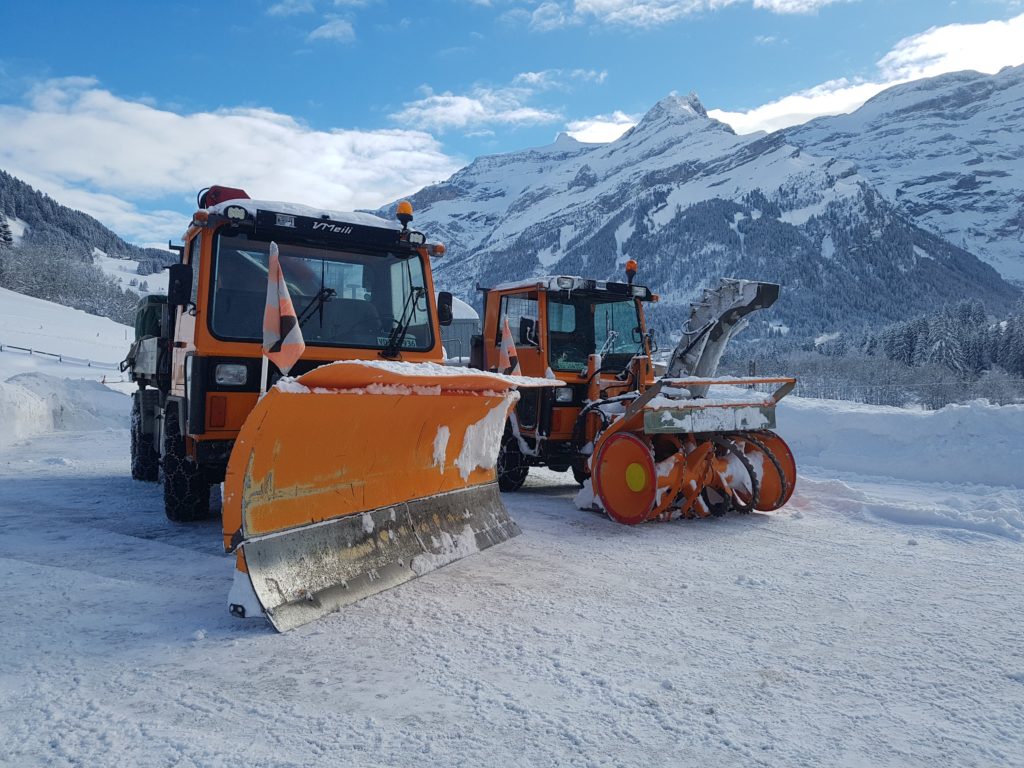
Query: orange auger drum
[668,455]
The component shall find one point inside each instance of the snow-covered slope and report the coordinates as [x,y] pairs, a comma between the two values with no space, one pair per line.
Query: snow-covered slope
[42,325]
[43,392]
[693,202]
[949,150]
[16,226]
[126,272]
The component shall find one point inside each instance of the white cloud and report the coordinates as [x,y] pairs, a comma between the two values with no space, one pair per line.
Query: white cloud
[548,79]
[338,30]
[649,13]
[794,6]
[482,106]
[290,8]
[985,47]
[832,98]
[109,156]
[601,128]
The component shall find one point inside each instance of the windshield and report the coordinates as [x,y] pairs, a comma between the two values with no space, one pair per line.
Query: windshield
[342,299]
[582,325]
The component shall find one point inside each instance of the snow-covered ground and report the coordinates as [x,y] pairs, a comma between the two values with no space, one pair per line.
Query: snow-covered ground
[840,631]
[872,622]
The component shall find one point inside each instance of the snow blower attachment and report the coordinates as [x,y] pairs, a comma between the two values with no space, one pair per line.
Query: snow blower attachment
[674,450]
[669,454]
[643,447]
[357,477]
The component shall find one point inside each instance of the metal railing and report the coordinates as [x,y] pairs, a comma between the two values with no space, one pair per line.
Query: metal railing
[61,358]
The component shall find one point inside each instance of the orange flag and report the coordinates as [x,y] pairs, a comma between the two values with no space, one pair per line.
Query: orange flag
[282,336]
[508,357]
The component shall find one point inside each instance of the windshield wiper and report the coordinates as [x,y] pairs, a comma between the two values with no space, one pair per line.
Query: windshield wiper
[317,305]
[398,332]
[612,336]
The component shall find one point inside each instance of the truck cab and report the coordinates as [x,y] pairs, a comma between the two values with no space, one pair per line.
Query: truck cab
[361,287]
[587,333]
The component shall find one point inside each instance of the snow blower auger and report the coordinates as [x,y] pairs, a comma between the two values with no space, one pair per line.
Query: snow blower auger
[376,464]
[642,447]
[666,454]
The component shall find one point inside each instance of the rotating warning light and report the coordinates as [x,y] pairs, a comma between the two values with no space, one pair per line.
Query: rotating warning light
[631,267]
[404,213]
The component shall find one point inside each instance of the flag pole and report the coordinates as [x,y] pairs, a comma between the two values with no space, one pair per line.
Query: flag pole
[264,372]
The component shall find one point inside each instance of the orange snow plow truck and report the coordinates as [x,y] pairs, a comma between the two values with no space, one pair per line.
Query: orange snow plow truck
[373,465]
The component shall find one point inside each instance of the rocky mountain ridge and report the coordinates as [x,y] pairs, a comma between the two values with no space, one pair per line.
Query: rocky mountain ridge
[692,202]
[949,151]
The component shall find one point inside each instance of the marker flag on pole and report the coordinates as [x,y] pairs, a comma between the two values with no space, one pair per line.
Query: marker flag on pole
[508,357]
[282,336]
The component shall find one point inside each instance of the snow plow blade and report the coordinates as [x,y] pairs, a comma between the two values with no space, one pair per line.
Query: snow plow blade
[359,476]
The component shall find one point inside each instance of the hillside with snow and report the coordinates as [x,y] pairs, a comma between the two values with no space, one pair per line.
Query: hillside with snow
[58,368]
[949,151]
[692,202]
[62,255]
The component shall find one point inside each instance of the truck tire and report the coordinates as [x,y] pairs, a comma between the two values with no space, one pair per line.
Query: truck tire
[580,471]
[145,457]
[186,489]
[512,467]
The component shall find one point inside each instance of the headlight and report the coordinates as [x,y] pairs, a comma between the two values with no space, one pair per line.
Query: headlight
[563,395]
[565,283]
[639,291]
[230,374]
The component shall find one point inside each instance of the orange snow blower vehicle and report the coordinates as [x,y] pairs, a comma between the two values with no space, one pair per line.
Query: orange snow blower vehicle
[644,447]
[374,465]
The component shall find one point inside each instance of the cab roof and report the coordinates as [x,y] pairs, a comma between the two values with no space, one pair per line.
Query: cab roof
[570,283]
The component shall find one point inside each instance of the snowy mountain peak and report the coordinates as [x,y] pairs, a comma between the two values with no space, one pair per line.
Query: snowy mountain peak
[695,104]
[674,112]
[562,143]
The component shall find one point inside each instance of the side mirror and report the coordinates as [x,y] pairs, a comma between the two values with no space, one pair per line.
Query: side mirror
[179,285]
[652,345]
[445,314]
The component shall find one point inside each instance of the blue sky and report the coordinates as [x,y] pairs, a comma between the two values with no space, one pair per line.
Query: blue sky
[123,109]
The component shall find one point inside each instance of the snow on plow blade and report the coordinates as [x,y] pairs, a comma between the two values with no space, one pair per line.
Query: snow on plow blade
[359,476]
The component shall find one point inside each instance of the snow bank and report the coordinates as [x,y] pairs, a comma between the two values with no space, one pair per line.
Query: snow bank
[994,511]
[22,414]
[972,443]
[34,403]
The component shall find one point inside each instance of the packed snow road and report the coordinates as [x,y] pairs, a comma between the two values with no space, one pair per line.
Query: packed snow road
[829,634]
